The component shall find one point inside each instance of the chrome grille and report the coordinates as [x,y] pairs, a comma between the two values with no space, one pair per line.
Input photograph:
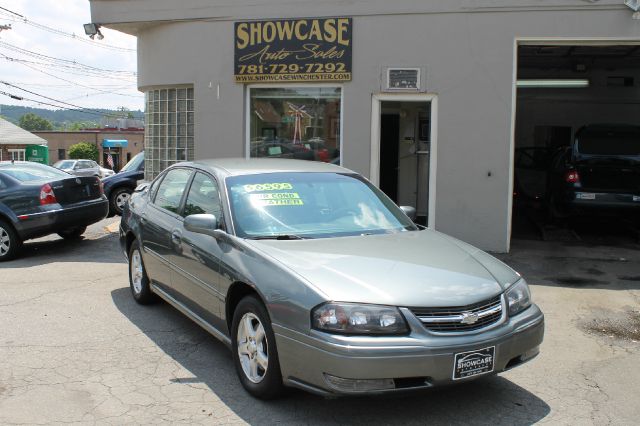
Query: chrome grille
[460,318]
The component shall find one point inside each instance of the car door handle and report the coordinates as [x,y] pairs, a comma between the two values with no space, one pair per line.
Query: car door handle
[176,238]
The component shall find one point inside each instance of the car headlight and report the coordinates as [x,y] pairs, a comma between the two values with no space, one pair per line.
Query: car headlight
[518,297]
[351,318]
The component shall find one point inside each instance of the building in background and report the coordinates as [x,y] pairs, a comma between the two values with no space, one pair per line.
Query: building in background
[428,99]
[121,144]
[20,145]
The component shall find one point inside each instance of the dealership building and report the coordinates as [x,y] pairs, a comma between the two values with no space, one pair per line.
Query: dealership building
[430,100]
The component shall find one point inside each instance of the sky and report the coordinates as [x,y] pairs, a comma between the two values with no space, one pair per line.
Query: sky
[40,63]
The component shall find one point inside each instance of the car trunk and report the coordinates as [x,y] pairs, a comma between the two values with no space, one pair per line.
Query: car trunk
[607,159]
[609,174]
[76,189]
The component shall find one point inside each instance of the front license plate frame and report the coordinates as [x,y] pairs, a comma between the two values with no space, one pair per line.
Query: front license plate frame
[473,363]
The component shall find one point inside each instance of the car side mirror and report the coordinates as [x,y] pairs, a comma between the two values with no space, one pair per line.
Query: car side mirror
[202,224]
[409,211]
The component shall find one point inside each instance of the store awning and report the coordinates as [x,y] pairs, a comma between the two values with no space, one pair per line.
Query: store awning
[115,143]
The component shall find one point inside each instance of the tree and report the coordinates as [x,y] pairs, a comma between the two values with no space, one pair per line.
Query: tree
[33,122]
[84,150]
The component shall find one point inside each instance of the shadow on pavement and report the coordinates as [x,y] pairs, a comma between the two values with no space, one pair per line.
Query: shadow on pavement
[52,249]
[493,400]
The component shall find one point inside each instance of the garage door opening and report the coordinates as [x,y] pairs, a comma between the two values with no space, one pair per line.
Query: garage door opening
[577,143]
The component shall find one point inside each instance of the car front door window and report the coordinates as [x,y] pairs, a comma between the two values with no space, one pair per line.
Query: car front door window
[171,189]
[203,197]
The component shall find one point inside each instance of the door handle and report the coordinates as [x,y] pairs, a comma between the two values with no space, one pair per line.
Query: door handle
[176,238]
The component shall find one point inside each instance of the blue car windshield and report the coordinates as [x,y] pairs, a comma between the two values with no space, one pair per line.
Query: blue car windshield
[311,205]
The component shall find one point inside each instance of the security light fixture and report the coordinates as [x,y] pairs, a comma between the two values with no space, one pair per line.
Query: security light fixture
[93,30]
[552,83]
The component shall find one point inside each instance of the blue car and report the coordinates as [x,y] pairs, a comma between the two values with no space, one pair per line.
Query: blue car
[118,188]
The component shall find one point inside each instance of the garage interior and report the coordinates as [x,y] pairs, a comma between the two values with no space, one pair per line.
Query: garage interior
[560,89]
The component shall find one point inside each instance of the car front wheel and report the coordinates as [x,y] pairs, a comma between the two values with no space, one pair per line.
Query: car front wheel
[254,350]
[9,242]
[119,198]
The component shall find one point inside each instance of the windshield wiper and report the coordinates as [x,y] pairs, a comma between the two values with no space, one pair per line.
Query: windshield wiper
[279,237]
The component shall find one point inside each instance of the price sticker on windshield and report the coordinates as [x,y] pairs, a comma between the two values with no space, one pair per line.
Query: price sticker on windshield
[268,187]
[276,199]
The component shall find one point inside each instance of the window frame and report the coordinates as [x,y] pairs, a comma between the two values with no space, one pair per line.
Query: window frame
[162,177]
[221,220]
[247,109]
[21,153]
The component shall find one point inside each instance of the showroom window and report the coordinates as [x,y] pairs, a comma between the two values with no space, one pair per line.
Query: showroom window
[297,122]
[168,130]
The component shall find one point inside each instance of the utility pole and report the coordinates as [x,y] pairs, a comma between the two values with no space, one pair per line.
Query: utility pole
[5,27]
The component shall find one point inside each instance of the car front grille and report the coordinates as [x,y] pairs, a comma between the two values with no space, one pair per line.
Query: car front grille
[461,318]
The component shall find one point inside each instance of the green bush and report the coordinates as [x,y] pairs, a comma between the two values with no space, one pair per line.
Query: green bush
[84,150]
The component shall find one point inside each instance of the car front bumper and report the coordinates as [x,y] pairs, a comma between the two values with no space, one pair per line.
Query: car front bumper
[368,365]
[49,222]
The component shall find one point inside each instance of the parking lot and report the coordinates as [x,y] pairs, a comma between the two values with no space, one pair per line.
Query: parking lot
[75,348]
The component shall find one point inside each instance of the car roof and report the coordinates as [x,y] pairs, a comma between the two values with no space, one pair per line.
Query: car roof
[244,166]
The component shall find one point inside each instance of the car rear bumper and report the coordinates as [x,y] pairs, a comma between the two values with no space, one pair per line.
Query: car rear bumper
[49,222]
[585,200]
[413,362]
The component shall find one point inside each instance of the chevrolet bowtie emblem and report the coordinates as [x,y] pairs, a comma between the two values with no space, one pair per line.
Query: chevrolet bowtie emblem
[469,318]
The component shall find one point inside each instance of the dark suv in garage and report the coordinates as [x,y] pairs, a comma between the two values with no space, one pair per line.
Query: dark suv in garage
[118,187]
[599,172]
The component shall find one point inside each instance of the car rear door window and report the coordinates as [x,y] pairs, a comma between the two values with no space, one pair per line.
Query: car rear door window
[171,188]
[203,197]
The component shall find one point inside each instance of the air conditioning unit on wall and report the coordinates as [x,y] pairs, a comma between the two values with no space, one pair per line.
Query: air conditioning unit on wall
[403,79]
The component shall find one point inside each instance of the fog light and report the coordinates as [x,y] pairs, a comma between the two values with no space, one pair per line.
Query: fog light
[358,385]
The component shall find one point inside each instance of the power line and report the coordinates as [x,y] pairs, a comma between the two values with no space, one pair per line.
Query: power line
[51,99]
[63,79]
[20,98]
[60,32]
[67,62]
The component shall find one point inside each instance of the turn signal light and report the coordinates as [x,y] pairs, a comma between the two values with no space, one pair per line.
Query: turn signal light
[46,195]
[572,176]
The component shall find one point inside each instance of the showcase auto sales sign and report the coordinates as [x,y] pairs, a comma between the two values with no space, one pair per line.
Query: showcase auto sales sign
[293,50]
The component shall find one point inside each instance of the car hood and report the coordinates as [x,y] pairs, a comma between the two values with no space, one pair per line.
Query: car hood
[119,175]
[421,268]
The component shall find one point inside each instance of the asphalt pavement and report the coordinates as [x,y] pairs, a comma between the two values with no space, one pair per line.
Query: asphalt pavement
[75,348]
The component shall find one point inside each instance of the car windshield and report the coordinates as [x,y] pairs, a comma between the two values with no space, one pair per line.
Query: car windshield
[311,205]
[32,172]
[64,164]
[134,163]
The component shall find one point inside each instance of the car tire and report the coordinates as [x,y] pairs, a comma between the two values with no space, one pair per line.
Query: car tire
[10,242]
[254,350]
[117,200]
[72,233]
[138,279]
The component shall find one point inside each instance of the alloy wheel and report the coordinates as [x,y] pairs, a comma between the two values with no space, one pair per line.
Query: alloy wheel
[253,348]
[5,242]
[137,271]
[122,199]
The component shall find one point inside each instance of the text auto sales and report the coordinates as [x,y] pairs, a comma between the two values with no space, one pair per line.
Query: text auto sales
[293,50]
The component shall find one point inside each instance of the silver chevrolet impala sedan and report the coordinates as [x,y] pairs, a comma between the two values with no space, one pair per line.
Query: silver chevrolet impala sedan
[316,280]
